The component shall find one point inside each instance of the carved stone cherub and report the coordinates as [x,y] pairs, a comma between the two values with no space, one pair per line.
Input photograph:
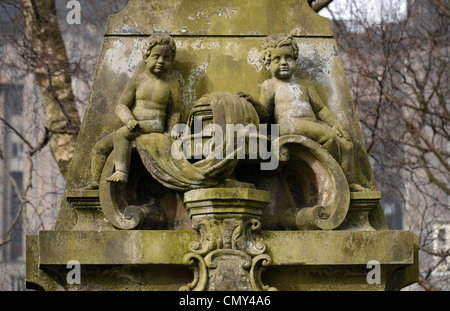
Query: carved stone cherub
[295,104]
[150,103]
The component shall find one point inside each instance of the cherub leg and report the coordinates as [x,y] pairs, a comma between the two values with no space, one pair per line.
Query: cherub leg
[348,165]
[347,155]
[318,132]
[122,155]
[100,153]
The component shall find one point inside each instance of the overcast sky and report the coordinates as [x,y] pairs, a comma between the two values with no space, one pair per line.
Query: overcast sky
[371,10]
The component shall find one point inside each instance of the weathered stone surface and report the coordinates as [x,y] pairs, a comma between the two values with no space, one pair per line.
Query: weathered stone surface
[361,204]
[169,246]
[153,260]
[209,60]
[218,18]
[228,201]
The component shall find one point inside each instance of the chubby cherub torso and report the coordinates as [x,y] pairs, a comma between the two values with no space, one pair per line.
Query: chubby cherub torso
[290,99]
[152,97]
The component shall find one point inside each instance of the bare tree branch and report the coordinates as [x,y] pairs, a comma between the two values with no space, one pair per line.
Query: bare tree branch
[427,285]
[398,72]
[318,5]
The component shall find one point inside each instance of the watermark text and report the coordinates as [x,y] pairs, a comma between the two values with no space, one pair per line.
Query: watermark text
[374,275]
[74,15]
[74,275]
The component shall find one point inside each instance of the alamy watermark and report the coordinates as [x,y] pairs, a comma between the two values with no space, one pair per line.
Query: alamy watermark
[374,275]
[74,15]
[236,141]
[74,274]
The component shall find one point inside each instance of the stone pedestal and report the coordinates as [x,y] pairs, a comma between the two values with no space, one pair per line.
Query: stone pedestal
[156,260]
[361,204]
[227,256]
[227,250]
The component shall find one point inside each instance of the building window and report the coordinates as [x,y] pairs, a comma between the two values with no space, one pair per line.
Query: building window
[16,283]
[16,253]
[17,150]
[12,99]
[74,51]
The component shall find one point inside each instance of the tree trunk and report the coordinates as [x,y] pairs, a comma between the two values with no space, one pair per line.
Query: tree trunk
[51,68]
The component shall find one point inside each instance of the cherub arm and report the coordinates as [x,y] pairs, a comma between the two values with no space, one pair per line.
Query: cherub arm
[126,101]
[263,106]
[325,114]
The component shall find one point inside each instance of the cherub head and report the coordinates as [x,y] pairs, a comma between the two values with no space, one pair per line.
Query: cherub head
[279,53]
[159,53]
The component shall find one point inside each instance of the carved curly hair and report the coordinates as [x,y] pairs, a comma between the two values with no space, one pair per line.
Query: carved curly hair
[277,40]
[159,39]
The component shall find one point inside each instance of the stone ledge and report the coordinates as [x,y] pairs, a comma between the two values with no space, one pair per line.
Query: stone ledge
[169,247]
[339,247]
[153,260]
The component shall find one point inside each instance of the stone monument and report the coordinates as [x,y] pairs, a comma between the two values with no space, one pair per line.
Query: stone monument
[220,150]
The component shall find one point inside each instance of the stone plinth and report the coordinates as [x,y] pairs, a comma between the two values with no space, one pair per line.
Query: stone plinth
[227,256]
[226,202]
[153,260]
